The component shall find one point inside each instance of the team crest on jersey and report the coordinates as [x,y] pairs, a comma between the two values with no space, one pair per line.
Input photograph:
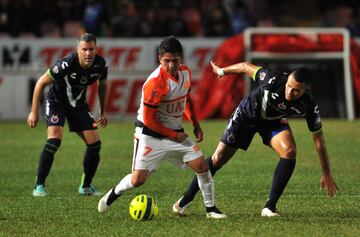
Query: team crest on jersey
[262,76]
[73,76]
[281,106]
[187,85]
[54,119]
[83,80]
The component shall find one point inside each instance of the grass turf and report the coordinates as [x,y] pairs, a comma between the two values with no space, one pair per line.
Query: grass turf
[241,187]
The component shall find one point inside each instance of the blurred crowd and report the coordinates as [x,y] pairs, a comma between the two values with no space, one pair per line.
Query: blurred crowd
[157,18]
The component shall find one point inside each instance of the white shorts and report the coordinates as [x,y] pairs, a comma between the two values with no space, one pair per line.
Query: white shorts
[149,151]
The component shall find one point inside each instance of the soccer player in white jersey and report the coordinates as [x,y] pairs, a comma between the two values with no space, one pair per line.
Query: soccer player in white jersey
[159,134]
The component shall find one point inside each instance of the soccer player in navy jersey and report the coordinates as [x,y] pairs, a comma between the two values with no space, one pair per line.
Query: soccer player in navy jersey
[69,79]
[276,96]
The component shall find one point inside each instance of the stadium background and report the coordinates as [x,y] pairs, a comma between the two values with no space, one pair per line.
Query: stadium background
[35,33]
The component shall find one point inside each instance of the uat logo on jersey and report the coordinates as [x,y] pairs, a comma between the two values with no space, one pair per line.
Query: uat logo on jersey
[187,85]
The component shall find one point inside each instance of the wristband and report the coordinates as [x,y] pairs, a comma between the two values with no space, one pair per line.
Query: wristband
[220,72]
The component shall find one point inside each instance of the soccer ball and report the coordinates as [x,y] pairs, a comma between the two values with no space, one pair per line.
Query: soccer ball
[143,208]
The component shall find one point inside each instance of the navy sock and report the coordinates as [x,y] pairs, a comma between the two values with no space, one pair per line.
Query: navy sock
[46,159]
[193,188]
[282,175]
[91,162]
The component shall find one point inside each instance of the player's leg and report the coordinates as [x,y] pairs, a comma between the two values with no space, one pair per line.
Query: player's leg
[90,162]
[222,155]
[237,134]
[284,144]
[147,156]
[53,142]
[206,185]
[55,128]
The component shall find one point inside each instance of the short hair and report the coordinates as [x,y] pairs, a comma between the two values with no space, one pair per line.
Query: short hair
[302,75]
[87,37]
[170,45]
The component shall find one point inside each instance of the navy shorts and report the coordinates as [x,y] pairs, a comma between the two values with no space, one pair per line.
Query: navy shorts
[79,119]
[239,133]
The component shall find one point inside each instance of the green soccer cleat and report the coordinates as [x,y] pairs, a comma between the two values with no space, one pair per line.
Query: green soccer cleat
[39,191]
[89,191]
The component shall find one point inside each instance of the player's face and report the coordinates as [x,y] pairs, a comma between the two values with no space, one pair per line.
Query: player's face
[86,52]
[170,63]
[293,89]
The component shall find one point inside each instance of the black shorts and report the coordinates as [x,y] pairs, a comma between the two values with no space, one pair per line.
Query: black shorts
[239,133]
[79,119]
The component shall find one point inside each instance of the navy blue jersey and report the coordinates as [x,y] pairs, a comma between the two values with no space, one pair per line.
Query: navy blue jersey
[267,101]
[71,80]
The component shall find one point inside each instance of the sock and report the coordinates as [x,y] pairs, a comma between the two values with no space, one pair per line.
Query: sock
[282,175]
[112,197]
[124,184]
[206,185]
[91,162]
[193,188]
[46,159]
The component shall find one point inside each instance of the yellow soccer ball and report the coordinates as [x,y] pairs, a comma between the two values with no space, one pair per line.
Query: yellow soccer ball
[143,208]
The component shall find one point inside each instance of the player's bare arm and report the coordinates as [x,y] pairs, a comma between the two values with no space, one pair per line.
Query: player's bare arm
[191,115]
[102,89]
[327,180]
[33,117]
[243,67]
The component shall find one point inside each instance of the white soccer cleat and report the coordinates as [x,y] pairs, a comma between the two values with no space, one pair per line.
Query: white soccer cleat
[102,206]
[214,213]
[266,212]
[179,210]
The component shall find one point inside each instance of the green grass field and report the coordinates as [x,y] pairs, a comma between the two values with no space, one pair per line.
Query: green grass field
[241,187]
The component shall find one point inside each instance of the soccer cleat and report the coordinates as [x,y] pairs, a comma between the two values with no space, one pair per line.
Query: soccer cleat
[266,212]
[102,205]
[90,191]
[214,213]
[179,210]
[39,191]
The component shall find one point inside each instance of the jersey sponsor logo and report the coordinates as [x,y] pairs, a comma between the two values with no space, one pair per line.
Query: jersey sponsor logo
[262,76]
[271,80]
[64,65]
[175,107]
[94,75]
[54,119]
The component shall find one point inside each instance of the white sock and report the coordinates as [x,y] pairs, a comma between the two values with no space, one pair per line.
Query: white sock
[124,184]
[206,185]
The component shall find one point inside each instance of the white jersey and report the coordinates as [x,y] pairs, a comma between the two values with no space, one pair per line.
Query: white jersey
[169,96]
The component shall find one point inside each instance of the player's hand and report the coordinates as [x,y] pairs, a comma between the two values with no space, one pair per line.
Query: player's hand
[181,136]
[199,134]
[328,182]
[32,120]
[102,121]
[216,69]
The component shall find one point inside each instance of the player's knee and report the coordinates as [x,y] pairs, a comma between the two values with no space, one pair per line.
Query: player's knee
[138,181]
[289,152]
[52,145]
[94,148]
[218,160]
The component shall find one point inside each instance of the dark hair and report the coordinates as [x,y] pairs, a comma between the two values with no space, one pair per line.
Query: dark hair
[87,37]
[170,45]
[302,75]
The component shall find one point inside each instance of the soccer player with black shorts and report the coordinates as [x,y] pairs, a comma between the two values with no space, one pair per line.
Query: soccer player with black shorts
[264,111]
[69,78]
